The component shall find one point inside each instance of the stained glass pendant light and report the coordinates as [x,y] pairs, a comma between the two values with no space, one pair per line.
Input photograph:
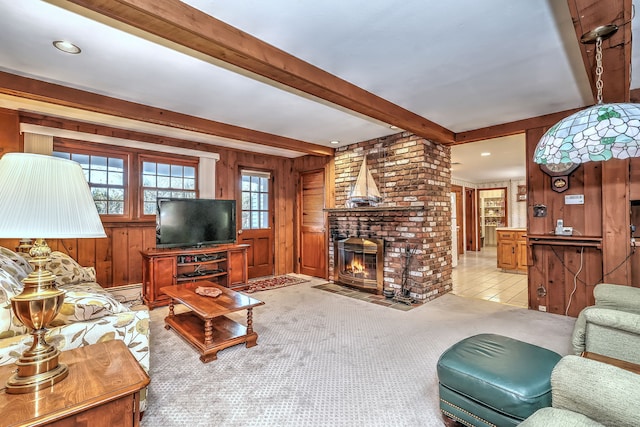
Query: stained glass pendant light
[597,133]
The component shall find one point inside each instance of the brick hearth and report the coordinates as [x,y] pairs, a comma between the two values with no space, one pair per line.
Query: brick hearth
[413,175]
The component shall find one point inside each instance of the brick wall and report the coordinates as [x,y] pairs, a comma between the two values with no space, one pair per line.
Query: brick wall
[413,176]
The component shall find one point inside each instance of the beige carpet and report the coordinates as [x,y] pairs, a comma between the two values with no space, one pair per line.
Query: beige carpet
[328,360]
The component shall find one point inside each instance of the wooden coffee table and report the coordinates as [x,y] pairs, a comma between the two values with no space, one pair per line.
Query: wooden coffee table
[205,326]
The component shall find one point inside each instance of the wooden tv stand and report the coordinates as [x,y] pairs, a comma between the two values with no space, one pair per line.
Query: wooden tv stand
[225,265]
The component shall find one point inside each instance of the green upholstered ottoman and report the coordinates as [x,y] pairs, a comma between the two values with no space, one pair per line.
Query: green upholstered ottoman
[492,380]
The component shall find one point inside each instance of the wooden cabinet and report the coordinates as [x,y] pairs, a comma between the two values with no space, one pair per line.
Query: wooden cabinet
[512,249]
[102,390]
[225,265]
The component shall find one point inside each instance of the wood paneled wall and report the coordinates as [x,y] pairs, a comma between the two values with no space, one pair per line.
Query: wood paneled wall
[117,258]
[562,275]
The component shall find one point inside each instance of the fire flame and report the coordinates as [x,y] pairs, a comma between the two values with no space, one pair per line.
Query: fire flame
[356,266]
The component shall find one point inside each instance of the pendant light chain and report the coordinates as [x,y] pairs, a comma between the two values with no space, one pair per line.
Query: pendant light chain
[599,69]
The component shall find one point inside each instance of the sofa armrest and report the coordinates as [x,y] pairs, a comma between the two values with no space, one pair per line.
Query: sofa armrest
[617,297]
[601,392]
[613,333]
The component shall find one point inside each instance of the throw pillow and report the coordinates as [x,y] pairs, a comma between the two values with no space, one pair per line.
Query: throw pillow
[12,267]
[9,324]
[86,301]
[68,271]
[20,259]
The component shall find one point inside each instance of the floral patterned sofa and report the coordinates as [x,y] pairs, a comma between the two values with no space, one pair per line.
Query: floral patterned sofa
[90,314]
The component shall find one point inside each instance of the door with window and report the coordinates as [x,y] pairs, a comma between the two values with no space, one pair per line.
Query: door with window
[256,220]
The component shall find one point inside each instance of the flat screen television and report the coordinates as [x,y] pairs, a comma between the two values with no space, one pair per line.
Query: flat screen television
[195,222]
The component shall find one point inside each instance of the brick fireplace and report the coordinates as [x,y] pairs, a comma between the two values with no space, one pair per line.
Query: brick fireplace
[413,217]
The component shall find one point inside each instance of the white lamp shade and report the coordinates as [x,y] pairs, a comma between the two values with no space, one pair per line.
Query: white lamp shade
[45,197]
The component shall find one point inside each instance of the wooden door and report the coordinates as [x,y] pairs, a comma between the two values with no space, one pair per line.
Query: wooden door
[471,220]
[460,215]
[257,221]
[313,229]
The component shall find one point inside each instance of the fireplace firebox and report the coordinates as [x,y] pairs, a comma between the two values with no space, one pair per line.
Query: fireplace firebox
[360,263]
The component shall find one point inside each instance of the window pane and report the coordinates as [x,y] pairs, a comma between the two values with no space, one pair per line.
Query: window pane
[163,181]
[62,155]
[116,194]
[99,193]
[116,178]
[149,168]
[116,208]
[264,201]
[164,169]
[98,163]
[83,159]
[149,208]
[255,219]
[102,207]
[255,183]
[255,201]
[265,219]
[189,184]
[149,195]
[176,182]
[164,194]
[176,170]
[148,180]
[98,177]
[116,164]
[246,183]
[189,172]
[246,201]
[245,220]
[264,185]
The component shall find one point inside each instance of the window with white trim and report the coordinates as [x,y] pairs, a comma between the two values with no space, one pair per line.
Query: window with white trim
[162,180]
[106,177]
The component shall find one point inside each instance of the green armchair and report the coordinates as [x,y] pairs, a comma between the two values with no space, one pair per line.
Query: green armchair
[587,393]
[612,326]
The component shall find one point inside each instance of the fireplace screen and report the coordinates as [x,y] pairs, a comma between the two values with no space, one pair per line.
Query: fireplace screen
[360,263]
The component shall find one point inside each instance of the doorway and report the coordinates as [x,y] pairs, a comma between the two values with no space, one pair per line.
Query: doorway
[471,232]
[493,214]
[459,230]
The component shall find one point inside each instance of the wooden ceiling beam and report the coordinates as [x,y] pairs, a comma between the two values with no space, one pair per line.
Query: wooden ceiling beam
[511,128]
[193,29]
[23,87]
[616,51]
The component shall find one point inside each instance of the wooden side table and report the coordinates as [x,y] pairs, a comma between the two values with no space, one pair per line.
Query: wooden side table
[102,390]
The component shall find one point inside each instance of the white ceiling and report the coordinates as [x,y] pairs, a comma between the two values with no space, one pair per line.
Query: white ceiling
[465,65]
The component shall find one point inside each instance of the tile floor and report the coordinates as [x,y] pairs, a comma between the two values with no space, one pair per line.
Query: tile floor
[476,276]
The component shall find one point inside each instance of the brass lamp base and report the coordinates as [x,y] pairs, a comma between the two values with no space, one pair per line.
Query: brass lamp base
[37,372]
[36,306]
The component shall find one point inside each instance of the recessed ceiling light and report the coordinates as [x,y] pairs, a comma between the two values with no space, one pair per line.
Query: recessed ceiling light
[485,154]
[394,127]
[67,47]
[335,142]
